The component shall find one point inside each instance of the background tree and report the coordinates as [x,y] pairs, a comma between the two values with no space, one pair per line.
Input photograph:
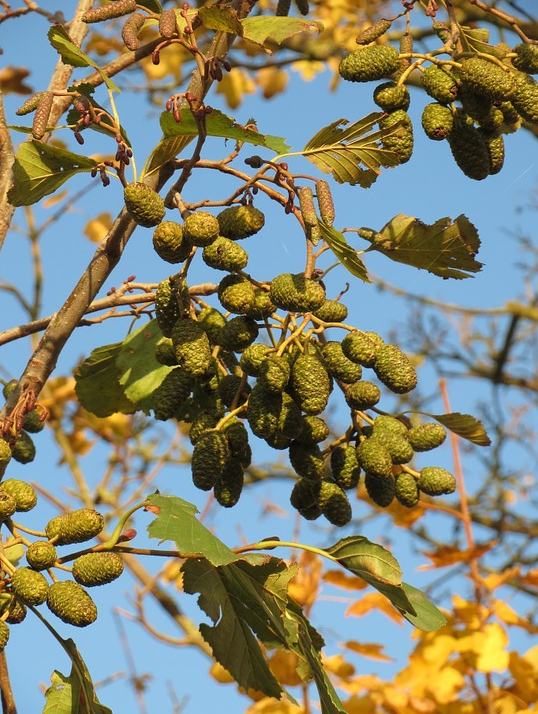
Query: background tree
[185,385]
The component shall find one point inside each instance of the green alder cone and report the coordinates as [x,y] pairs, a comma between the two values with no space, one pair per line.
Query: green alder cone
[362,395]
[262,307]
[399,448]
[437,121]
[406,490]
[236,294]
[23,450]
[169,242]
[310,384]
[75,527]
[212,321]
[240,222]
[370,63]
[167,309]
[144,204]
[394,369]
[390,96]
[209,456]
[8,506]
[470,151]
[372,33]
[237,435]
[232,388]
[225,254]
[425,437]
[480,108]
[204,422]
[374,458]
[29,586]
[360,348]
[4,635]
[33,423]
[5,453]
[345,466]
[526,59]
[338,365]
[17,612]
[274,373]
[307,460]
[511,119]
[401,141]
[253,357]
[263,411]
[435,481]
[390,424]
[334,503]
[380,489]
[175,388]
[278,441]
[41,555]
[193,351]
[331,311]
[487,79]
[238,333]
[314,430]
[71,603]
[440,84]
[165,352]
[92,569]
[229,485]
[525,100]
[201,228]
[304,494]
[495,146]
[290,420]
[295,293]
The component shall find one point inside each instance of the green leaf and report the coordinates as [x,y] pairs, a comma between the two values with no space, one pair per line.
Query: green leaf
[270,31]
[97,383]
[344,252]
[428,617]
[140,373]
[343,152]
[221,18]
[166,150]
[218,124]
[176,521]
[445,249]
[74,694]
[368,560]
[39,169]
[151,5]
[236,615]
[73,55]
[464,425]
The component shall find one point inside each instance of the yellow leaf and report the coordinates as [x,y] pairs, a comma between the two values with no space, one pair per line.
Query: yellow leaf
[268,705]
[446,684]
[374,601]
[450,555]
[489,647]
[283,665]
[365,704]
[234,85]
[468,613]
[53,200]
[525,673]
[272,80]
[337,665]
[440,650]
[97,228]
[221,675]
[304,587]
[307,69]
[341,580]
[11,80]
[495,580]
[371,650]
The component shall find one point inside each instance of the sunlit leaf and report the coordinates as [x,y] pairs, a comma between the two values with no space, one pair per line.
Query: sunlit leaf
[446,249]
[39,169]
[222,18]
[368,560]
[374,601]
[348,153]
[447,555]
[427,616]
[97,228]
[341,580]
[270,31]
[371,650]
[176,521]
[97,383]
[73,55]
[464,425]
[140,373]
[344,252]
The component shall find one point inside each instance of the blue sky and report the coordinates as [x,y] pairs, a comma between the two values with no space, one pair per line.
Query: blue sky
[430,186]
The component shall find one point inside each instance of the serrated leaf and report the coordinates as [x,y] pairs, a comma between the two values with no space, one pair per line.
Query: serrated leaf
[269,31]
[74,694]
[151,5]
[73,55]
[232,598]
[344,252]
[140,373]
[39,169]
[166,150]
[176,521]
[445,249]
[97,383]
[428,617]
[368,560]
[476,39]
[218,124]
[347,154]
[464,425]
[221,18]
